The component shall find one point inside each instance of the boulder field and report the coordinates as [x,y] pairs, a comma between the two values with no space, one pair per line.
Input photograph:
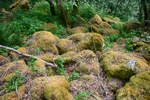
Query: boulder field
[106,75]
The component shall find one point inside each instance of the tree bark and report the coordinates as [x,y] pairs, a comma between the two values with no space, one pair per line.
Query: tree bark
[52,7]
[63,12]
[144,6]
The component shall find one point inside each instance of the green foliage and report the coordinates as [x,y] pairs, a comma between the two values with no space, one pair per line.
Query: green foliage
[74,76]
[14,82]
[32,65]
[60,66]
[3,52]
[83,95]
[110,39]
[87,10]
[129,44]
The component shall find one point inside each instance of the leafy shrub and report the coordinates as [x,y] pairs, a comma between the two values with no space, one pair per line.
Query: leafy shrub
[129,44]
[14,82]
[32,65]
[60,66]
[74,76]
[83,95]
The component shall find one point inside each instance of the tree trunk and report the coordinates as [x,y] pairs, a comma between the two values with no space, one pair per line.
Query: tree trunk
[75,7]
[52,7]
[144,6]
[63,12]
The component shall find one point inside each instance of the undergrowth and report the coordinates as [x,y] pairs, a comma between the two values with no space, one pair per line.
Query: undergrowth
[72,77]
[127,36]
[14,82]
[60,66]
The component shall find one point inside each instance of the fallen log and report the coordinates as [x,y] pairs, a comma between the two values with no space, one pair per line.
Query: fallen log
[27,55]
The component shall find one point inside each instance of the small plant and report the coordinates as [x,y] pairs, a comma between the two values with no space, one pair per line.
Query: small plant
[38,51]
[14,82]
[74,76]
[3,52]
[60,68]
[32,65]
[129,44]
[83,95]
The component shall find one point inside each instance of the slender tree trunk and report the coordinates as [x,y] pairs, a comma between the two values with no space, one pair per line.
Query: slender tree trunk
[144,6]
[63,12]
[75,7]
[52,7]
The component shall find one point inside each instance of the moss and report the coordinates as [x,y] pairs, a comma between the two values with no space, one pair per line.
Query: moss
[143,48]
[47,57]
[24,4]
[45,41]
[75,30]
[85,61]
[65,45]
[12,95]
[96,19]
[103,28]
[36,86]
[115,64]
[137,88]
[54,92]
[12,67]
[129,26]
[88,77]
[3,60]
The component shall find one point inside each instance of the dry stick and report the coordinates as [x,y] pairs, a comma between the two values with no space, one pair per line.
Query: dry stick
[27,55]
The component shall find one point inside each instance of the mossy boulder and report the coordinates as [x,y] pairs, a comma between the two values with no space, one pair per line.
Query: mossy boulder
[22,50]
[138,88]
[122,65]
[9,69]
[84,61]
[87,41]
[115,20]
[12,95]
[96,19]
[65,45]
[49,57]
[143,48]
[3,60]
[75,30]
[129,26]
[36,87]
[44,40]
[54,92]
[103,28]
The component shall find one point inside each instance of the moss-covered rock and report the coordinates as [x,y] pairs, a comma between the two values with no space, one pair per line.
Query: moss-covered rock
[138,88]
[103,28]
[115,20]
[44,40]
[121,65]
[8,69]
[49,57]
[129,26]
[36,87]
[3,60]
[143,48]
[65,45]
[84,61]
[54,92]
[12,95]
[96,19]
[88,41]
[75,30]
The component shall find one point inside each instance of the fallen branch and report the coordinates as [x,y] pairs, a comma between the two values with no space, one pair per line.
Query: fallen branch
[27,55]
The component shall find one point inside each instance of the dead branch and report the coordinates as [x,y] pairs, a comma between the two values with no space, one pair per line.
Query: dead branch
[27,55]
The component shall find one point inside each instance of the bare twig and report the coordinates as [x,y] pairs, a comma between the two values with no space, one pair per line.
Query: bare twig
[27,55]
